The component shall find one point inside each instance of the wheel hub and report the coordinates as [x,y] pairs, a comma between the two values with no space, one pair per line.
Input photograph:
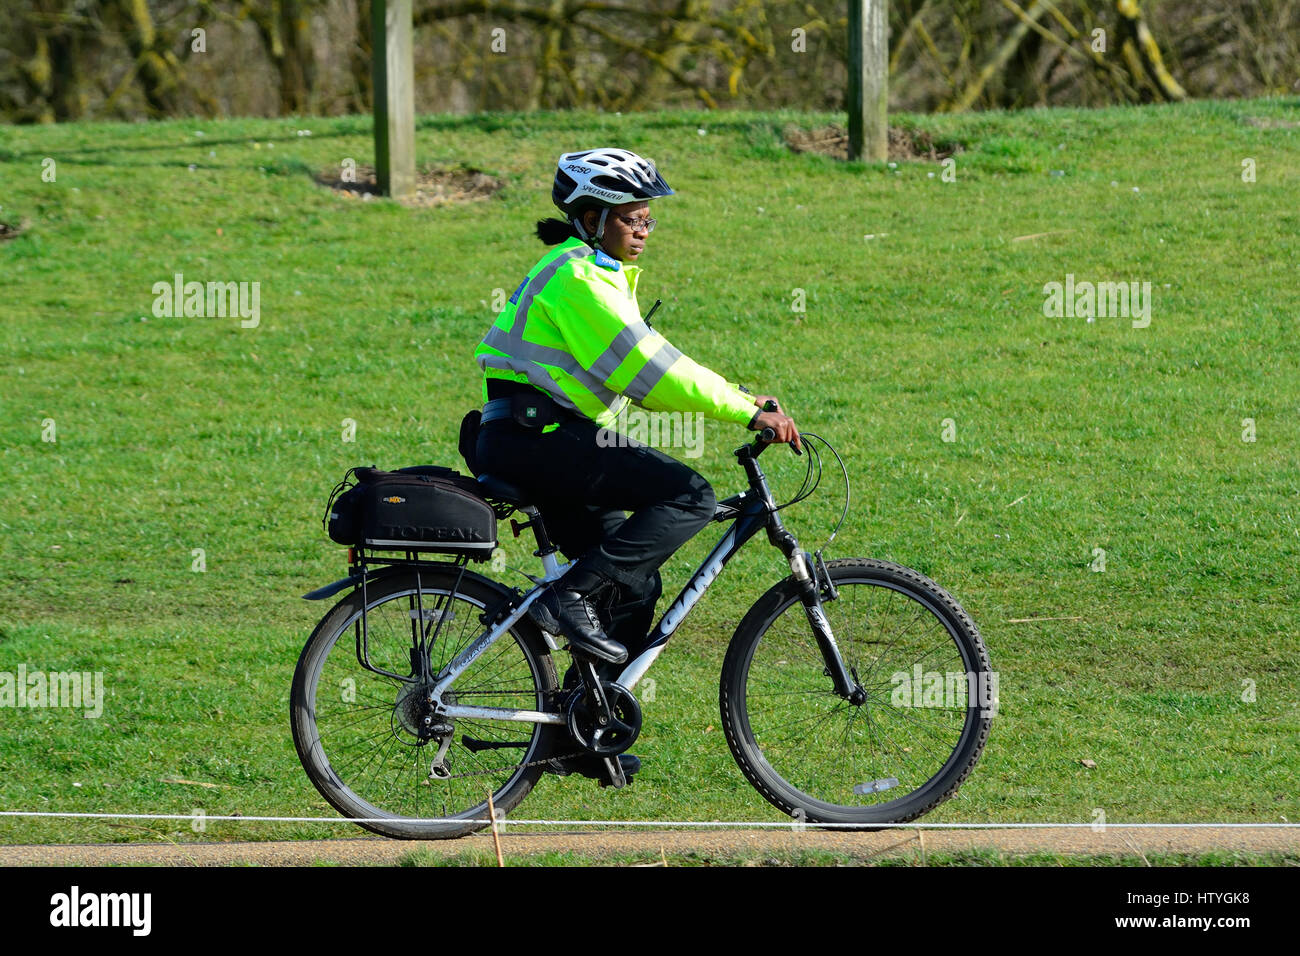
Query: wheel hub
[414,714]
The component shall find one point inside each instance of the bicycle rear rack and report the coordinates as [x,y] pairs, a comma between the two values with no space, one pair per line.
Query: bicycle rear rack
[359,560]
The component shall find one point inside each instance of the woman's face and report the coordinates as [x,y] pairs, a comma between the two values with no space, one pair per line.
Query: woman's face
[619,240]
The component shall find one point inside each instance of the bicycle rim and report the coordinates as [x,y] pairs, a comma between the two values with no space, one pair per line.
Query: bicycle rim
[930,696]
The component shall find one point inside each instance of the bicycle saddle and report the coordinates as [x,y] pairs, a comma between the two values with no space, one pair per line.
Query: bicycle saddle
[493,487]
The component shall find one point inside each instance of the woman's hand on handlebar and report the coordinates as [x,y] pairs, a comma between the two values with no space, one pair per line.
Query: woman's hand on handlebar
[780,423]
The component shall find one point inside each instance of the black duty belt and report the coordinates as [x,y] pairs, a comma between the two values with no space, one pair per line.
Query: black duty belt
[523,404]
[498,409]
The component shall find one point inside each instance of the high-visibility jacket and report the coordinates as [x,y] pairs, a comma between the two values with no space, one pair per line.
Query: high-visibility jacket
[573,329]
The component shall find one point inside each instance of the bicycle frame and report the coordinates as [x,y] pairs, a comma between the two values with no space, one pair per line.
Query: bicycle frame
[753,511]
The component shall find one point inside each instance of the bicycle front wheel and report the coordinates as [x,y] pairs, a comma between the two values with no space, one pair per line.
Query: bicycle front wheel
[371,744]
[930,697]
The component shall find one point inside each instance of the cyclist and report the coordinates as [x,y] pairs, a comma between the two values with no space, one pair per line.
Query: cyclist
[561,361]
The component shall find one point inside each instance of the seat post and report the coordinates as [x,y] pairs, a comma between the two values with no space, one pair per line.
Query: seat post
[544,545]
[545,549]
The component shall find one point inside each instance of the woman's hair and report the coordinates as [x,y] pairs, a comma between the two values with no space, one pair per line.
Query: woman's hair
[554,231]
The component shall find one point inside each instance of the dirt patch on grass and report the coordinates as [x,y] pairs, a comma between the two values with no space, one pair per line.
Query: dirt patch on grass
[8,231]
[1270,122]
[433,186]
[904,144]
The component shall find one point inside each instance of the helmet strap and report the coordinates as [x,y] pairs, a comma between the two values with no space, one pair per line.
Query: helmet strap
[600,227]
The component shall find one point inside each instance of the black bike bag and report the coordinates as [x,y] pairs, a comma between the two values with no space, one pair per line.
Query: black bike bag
[424,508]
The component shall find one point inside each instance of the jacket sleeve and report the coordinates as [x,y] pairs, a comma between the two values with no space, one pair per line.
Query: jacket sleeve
[606,335]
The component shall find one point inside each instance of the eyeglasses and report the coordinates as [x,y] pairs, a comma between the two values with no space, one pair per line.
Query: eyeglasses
[637,225]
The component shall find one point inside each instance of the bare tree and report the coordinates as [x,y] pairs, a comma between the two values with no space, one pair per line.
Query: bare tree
[66,59]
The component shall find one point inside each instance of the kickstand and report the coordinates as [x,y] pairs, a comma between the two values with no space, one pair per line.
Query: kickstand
[613,774]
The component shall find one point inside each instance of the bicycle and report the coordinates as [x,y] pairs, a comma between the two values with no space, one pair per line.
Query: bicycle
[840,724]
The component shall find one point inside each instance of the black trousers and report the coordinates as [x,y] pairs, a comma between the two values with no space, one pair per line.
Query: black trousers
[583,486]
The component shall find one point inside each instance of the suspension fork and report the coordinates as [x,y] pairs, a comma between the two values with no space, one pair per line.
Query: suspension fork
[806,578]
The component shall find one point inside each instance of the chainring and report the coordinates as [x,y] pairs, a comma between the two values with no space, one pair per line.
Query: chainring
[616,736]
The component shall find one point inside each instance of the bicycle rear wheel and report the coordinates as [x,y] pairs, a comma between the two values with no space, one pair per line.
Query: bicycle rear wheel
[930,697]
[362,736]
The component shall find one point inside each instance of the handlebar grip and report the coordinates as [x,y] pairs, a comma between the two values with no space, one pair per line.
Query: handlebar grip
[768,434]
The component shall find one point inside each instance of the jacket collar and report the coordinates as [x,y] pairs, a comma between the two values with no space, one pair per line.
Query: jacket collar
[601,258]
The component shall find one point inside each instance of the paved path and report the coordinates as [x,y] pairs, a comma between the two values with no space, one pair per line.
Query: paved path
[596,844]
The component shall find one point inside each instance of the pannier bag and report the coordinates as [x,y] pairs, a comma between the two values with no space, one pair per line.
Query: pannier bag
[424,508]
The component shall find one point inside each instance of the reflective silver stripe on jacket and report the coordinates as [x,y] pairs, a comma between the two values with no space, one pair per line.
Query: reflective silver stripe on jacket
[538,282]
[652,372]
[529,357]
[525,357]
[627,340]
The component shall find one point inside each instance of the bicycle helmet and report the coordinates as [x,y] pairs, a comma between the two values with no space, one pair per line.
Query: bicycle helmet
[603,178]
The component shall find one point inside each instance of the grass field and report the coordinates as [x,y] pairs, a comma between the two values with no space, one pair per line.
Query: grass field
[1136,484]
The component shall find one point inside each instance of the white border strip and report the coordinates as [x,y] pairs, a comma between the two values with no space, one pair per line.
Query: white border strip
[717,824]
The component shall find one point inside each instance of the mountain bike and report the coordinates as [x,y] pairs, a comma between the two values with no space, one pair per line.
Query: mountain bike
[854,691]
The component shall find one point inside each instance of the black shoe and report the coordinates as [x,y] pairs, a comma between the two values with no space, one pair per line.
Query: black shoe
[569,614]
[591,765]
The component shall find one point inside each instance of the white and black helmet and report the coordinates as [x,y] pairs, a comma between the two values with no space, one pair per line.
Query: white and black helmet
[602,178]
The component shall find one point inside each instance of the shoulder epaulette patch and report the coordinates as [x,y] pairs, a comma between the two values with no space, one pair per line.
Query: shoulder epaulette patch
[606,261]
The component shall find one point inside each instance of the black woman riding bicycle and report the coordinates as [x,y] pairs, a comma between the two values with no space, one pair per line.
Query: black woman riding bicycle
[562,360]
[854,692]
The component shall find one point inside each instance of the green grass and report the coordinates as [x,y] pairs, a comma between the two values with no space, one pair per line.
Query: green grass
[182,433]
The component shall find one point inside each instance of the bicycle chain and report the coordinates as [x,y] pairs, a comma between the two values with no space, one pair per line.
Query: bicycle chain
[518,766]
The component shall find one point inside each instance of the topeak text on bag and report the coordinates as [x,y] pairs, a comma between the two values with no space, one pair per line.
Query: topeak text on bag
[424,508]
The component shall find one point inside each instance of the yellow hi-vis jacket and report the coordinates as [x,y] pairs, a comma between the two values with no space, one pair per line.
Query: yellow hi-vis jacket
[573,329]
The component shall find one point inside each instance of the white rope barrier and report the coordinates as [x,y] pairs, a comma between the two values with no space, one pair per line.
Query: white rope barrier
[714,824]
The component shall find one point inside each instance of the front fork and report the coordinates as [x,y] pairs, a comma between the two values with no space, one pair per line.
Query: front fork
[808,578]
[811,579]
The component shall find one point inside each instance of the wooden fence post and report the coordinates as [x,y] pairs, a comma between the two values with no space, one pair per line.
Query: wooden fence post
[869,80]
[394,92]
